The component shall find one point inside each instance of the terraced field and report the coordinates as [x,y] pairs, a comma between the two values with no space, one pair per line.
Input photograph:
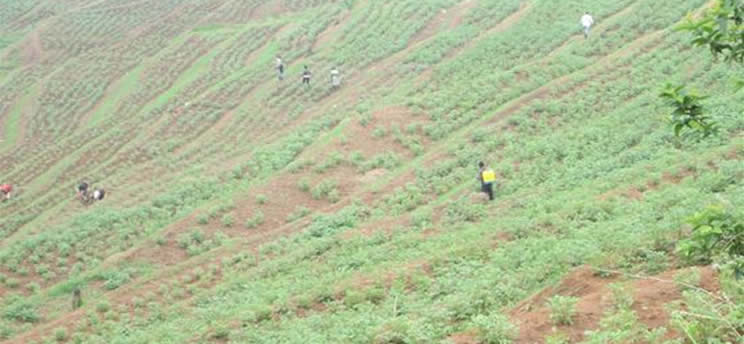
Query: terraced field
[245,209]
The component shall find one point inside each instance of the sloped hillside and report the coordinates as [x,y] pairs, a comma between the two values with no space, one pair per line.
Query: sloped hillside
[242,208]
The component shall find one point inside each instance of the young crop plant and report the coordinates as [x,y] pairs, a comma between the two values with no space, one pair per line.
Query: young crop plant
[298,213]
[60,334]
[256,220]
[495,329]
[326,189]
[228,220]
[562,309]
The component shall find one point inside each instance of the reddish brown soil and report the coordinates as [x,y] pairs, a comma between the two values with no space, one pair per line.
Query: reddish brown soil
[33,52]
[651,295]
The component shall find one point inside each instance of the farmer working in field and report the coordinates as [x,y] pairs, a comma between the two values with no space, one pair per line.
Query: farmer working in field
[82,189]
[335,78]
[98,194]
[486,176]
[6,189]
[280,67]
[587,21]
[306,76]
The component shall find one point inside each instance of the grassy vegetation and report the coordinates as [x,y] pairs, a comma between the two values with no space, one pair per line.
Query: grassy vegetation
[245,209]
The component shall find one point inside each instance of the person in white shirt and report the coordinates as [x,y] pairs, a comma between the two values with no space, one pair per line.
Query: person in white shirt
[335,78]
[280,67]
[586,22]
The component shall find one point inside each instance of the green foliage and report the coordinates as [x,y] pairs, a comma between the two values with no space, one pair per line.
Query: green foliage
[261,199]
[688,111]
[715,233]
[721,29]
[495,329]
[457,212]
[228,220]
[60,334]
[202,219]
[255,221]
[326,189]
[706,318]
[103,306]
[622,297]
[19,309]
[113,279]
[298,213]
[562,309]
[304,184]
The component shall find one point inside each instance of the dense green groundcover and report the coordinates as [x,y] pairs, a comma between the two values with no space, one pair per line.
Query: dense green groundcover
[589,171]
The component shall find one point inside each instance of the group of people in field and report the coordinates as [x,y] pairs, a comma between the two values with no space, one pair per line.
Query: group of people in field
[306,74]
[83,193]
[486,176]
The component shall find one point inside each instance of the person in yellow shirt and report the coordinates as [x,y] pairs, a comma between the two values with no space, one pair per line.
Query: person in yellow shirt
[486,176]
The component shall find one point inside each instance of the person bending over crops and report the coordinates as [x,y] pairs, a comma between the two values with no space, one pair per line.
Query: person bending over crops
[82,190]
[6,189]
[98,194]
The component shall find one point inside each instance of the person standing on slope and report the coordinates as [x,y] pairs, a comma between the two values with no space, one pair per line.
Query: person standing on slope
[280,67]
[587,21]
[6,189]
[306,76]
[486,176]
[335,78]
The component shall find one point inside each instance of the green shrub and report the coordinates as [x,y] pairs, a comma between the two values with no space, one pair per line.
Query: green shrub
[456,212]
[715,233]
[20,309]
[33,287]
[5,332]
[260,313]
[379,132]
[202,219]
[261,199]
[103,306]
[255,221]
[352,298]
[495,329]
[298,213]
[60,334]
[12,283]
[324,189]
[184,240]
[197,236]
[562,309]
[228,220]
[160,241]
[222,332]
[303,184]
[393,332]
[622,297]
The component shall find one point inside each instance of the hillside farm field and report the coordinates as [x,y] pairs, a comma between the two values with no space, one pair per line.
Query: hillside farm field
[241,208]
